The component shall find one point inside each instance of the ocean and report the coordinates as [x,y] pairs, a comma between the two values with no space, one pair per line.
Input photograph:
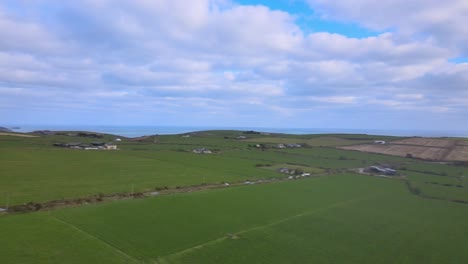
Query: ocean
[137,131]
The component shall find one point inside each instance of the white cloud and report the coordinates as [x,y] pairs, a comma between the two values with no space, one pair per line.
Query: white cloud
[443,21]
[334,99]
[411,96]
[221,57]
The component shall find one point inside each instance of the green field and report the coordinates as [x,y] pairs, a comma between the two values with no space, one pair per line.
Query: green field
[338,219]
[334,217]
[35,171]
[47,174]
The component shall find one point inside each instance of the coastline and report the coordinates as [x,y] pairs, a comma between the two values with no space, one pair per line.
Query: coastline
[138,131]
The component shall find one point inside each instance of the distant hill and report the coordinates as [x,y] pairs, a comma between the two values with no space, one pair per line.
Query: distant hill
[4,129]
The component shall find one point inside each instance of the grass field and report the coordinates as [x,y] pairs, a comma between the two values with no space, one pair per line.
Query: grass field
[47,174]
[35,171]
[339,219]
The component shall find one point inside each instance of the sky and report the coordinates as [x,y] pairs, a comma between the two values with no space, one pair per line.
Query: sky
[355,64]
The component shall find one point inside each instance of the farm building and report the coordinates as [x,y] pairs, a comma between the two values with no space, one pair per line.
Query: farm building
[294,145]
[380,170]
[92,146]
[287,171]
[110,147]
[202,151]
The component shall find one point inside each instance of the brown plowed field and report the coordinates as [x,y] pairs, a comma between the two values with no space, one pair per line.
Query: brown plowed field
[426,142]
[423,148]
[460,153]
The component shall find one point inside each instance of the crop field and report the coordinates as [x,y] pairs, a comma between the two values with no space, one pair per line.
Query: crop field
[35,171]
[426,142]
[459,153]
[430,153]
[423,148]
[338,219]
[15,134]
[318,141]
[336,216]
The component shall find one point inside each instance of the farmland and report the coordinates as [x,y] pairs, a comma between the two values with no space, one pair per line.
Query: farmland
[333,216]
[345,218]
[35,171]
[436,149]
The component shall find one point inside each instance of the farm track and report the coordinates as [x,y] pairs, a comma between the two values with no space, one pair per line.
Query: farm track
[165,259]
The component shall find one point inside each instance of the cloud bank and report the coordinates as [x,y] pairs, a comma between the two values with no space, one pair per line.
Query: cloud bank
[217,62]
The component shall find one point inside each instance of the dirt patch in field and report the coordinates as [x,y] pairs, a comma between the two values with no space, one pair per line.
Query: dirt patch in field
[16,135]
[423,148]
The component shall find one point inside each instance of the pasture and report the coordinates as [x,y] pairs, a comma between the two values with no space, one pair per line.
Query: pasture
[343,218]
[335,217]
[35,171]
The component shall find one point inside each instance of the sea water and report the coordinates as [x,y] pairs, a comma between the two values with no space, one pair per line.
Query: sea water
[137,131]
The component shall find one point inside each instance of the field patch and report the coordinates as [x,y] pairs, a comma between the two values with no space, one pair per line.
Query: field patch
[338,219]
[152,228]
[40,238]
[426,142]
[421,152]
[38,175]
[386,229]
[459,153]
[423,148]
[17,135]
[325,141]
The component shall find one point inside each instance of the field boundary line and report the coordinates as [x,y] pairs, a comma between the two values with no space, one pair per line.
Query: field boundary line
[280,221]
[119,251]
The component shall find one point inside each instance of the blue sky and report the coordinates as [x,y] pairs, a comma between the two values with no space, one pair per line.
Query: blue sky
[291,63]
